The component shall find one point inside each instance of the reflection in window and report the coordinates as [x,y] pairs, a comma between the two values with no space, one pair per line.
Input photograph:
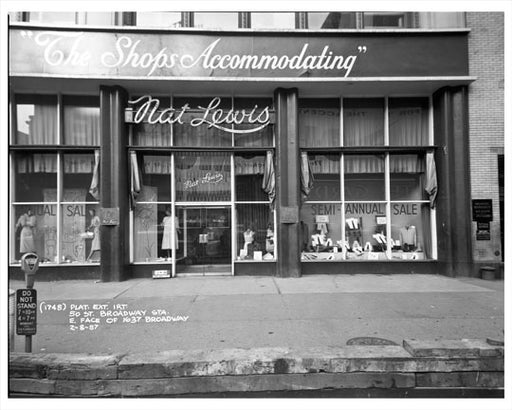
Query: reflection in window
[156,176]
[249,171]
[81,121]
[158,19]
[255,232]
[334,20]
[35,177]
[53,17]
[386,19]
[326,176]
[147,134]
[319,122]
[203,177]
[223,21]
[407,177]
[78,174]
[273,20]
[36,120]
[364,178]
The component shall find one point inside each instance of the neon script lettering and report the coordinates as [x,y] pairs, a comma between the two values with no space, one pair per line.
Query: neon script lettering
[211,115]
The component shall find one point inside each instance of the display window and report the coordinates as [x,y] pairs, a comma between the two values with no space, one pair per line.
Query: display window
[55,192]
[54,206]
[319,122]
[193,205]
[377,205]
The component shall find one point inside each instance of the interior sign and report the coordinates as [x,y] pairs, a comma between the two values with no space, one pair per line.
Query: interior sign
[212,115]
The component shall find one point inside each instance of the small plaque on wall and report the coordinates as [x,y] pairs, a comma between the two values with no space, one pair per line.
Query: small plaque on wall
[482,210]
[109,216]
[289,215]
[483,231]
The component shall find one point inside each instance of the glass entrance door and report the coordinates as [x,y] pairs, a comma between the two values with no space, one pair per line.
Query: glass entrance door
[205,237]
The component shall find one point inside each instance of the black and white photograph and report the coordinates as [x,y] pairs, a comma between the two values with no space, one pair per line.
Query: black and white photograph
[212,204]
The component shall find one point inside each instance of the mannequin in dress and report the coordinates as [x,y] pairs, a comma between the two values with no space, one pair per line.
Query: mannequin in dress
[248,239]
[95,228]
[27,222]
[167,235]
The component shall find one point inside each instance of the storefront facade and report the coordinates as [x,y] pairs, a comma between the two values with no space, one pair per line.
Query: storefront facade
[141,152]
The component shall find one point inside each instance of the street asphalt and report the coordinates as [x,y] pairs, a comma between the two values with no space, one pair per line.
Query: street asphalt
[141,315]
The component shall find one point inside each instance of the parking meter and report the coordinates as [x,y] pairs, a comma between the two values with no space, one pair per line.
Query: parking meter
[30,265]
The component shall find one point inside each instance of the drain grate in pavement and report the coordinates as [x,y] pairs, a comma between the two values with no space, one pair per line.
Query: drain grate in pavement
[370,341]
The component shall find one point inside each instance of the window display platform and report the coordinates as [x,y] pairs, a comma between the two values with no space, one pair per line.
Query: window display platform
[365,256]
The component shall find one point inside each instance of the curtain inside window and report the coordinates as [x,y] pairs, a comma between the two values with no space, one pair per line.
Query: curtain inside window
[157,135]
[431,179]
[408,121]
[81,125]
[269,178]
[94,189]
[39,127]
[157,165]
[374,164]
[363,122]
[319,126]
[306,176]
[135,179]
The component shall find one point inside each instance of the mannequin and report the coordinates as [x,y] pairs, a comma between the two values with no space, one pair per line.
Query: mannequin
[248,239]
[320,242]
[27,222]
[408,238]
[95,227]
[167,235]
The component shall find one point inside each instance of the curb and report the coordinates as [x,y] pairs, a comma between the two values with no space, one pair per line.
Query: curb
[467,363]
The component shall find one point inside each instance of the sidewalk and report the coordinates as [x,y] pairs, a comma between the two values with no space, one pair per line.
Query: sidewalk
[257,312]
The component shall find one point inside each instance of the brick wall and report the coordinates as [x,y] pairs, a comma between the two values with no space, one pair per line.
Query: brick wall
[486,119]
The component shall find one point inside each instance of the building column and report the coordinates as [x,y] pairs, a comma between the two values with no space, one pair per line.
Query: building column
[451,136]
[287,182]
[113,183]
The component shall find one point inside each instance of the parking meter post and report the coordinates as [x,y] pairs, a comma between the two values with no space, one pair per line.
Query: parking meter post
[29,265]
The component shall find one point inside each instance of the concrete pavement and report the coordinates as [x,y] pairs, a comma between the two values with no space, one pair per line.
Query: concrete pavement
[248,312]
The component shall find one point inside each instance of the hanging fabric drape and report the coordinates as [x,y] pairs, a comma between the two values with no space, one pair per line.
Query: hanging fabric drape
[269,178]
[94,189]
[135,179]
[82,125]
[431,179]
[306,176]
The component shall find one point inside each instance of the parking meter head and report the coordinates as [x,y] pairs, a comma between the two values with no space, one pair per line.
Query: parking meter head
[30,263]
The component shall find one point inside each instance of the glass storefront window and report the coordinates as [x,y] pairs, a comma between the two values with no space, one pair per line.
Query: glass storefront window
[407,177]
[151,135]
[81,121]
[35,176]
[194,132]
[77,177]
[385,19]
[255,238]
[204,239]
[155,233]
[35,230]
[334,20]
[410,230]
[80,235]
[203,177]
[36,120]
[53,17]
[273,20]
[319,122]
[363,122]
[320,231]
[365,230]
[364,178]
[221,21]
[254,108]
[249,171]
[156,176]
[408,121]
[326,174]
